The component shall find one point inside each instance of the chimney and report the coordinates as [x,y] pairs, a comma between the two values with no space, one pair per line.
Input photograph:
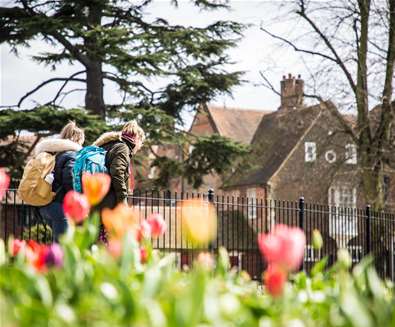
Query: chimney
[291,92]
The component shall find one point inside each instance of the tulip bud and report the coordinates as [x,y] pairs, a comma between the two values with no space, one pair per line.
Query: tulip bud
[158,225]
[205,260]
[274,280]
[344,258]
[76,206]
[4,182]
[143,255]
[54,256]
[317,239]
[144,231]
[95,186]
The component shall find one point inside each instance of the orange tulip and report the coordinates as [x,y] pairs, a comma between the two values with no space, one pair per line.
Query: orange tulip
[199,221]
[95,186]
[120,220]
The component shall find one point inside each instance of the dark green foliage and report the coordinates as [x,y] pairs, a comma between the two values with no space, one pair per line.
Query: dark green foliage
[114,40]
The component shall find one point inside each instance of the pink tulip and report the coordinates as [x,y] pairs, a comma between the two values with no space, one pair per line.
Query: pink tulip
[53,256]
[76,206]
[144,231]
[284,246]
[158,225]
[274,280]
[4,182]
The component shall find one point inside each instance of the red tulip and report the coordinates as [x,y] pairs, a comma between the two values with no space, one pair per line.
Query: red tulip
[158,225]
[35,255]
[144,231]
[4,182]
[17,246]
[76,206]
[274,280]
[95,186]
[143,255]
[284,246]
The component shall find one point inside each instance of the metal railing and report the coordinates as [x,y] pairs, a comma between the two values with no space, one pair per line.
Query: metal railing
[239,221]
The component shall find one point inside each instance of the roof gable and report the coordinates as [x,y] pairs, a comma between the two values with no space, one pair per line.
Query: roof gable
[236,124]
[275,138]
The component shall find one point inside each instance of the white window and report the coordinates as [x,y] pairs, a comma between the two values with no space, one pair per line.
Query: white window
[351,154]
[343,202]
[310,150]
[251,198]
[330,156]
[310,254]
[152,173]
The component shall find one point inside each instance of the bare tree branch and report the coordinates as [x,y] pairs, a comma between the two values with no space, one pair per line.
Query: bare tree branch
[338,60]
[63,86]
[55,79]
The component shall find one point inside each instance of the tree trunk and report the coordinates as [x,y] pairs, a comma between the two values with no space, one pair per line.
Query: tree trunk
[94,99]
[372,181]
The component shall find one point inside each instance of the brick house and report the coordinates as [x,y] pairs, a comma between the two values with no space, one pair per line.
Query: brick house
[304,151]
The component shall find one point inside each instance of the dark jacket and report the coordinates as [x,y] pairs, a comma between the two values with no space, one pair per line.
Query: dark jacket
[118,158]
[63,174]
[65,151]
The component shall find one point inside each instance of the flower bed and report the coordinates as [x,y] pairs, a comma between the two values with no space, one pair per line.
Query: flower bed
[84,283]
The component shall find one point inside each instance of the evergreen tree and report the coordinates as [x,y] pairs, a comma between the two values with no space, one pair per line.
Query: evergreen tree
[114,40]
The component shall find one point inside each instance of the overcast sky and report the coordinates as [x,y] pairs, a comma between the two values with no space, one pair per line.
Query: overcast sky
[256,52]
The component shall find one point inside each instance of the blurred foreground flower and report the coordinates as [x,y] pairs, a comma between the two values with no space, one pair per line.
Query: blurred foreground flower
[144,231]
[143,255]
[53,256]
[4,182]
[17,246]
[284,246]
[95,186]
[39,256]
[283,249]
[199,221]
[317,239]
[76,206]
[157,224]
[120,220]
[274,280]
[205,260]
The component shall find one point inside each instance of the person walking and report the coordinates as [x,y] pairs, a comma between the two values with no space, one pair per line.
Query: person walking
[120,147]
[64,148]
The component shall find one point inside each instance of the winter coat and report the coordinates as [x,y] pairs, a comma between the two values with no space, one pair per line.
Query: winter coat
[65,152]
[118,158]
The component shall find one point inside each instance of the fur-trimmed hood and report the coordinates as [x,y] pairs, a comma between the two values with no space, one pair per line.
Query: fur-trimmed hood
[107,137]
[57,145]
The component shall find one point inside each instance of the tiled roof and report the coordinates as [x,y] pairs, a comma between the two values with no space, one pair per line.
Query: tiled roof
[276,136]
[236,123]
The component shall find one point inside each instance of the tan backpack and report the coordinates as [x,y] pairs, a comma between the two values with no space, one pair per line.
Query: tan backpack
[33,189]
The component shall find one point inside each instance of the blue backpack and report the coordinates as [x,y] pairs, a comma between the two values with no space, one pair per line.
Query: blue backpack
[90,159]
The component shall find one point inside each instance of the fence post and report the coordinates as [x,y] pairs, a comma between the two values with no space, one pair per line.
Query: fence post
[301,212]
[301,222]
[210,198]
[368,229]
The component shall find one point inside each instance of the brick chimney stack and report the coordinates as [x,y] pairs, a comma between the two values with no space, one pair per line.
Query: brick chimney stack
[292,90]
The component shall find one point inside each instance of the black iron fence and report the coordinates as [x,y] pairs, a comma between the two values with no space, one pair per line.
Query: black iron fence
[239,221]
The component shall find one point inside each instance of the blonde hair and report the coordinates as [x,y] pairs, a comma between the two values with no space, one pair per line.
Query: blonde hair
[72,132]
[132,127]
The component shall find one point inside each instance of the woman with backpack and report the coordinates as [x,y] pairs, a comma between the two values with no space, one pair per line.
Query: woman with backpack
[64,148]
[120,147]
